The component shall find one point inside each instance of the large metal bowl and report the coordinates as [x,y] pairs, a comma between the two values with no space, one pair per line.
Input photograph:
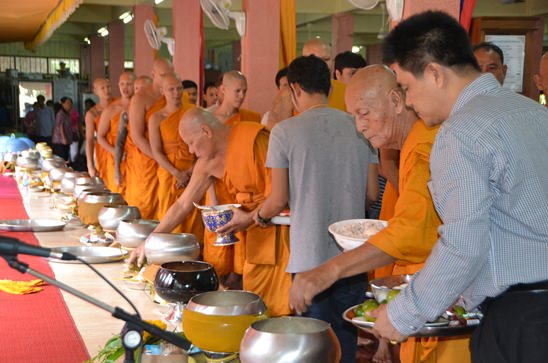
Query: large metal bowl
[383,285]
[216,321]
[131,233]
[57,174]
[90,205]
[168,247]
[51,163]
[110,216]
[284,339]
[89,187]
[69,181]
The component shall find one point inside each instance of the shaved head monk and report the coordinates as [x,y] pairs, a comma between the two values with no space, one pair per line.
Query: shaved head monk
[108,128]
[234,88]
[378,106]
[102,89]
[235,155]
[142,181]
[142,82]
[172,154]
[320,48]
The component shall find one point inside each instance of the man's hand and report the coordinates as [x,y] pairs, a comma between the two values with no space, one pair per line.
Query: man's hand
[240,222]
[383,327]
[92,171]
[308,284]
[182,177]
[137,256]
[257,221]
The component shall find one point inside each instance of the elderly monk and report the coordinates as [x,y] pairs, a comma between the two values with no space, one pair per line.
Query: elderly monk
[102,89]
[236,156]
[378,105]
[142,181]
[172,155]
[541,79]
[109,125]
[234,89]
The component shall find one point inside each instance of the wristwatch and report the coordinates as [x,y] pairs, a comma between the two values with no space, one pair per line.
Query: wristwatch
[263,220]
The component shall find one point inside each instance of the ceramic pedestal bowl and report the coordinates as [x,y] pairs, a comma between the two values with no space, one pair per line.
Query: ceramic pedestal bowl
[52,163]
[216,321]
[171,247]
[131,233]
[352,233]
[284,339]
[214,219]
[110,216]
[90,205]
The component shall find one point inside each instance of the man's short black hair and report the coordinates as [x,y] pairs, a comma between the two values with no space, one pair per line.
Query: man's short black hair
[209,85]
[488,46]
[349,60]
[41,97]
[311,73]
[279,75]
[432,36]
[187,83]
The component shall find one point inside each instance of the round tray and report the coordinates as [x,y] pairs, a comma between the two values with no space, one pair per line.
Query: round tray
[437,329]
[91,254]
[31,225]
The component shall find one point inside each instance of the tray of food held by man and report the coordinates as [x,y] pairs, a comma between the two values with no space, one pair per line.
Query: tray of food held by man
[454,322]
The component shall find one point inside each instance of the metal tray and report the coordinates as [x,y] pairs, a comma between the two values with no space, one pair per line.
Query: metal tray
[92,254]
[428,330]
[31,225]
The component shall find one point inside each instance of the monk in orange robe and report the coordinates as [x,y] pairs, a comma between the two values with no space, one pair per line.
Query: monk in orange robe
[236,155]
[234,89]
[102,89]
[141,172]
[108,129]
[172,155]
[412,232]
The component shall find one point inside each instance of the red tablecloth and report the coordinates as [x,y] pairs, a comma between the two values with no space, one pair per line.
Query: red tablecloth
[36,327]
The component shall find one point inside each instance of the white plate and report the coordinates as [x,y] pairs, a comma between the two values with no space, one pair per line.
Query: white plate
[31,225]
[281,220]
[91,254]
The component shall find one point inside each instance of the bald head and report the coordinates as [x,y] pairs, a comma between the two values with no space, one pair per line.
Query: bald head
[234,89]
[200,130]
[102,88]
[142,82]
[378,106]
[172,89]
[319,48]
[160,68]
[126,84]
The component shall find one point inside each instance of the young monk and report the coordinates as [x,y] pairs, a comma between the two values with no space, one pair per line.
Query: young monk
[234,89]
[142,180]
[172,155]
[108,128]
[236,156]
[102,89]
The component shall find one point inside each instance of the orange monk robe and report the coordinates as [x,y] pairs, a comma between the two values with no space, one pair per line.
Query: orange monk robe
[336,95]
[181,158]
[109,173]
[141,173]
[410,235]
[267,249]
[244,115]
[101,154]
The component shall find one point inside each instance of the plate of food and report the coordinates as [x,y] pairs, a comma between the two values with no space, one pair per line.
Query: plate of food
[352,233]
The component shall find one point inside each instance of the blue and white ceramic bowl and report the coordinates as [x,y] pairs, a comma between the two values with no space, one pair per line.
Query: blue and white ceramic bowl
[214,219]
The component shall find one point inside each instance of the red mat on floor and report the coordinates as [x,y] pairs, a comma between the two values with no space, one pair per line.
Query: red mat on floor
[36,327]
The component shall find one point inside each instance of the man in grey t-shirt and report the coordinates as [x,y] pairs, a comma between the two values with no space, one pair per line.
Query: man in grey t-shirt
[320,164]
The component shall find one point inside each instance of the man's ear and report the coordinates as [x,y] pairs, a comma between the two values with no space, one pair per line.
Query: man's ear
[436,73]
[206,130]
[338,74]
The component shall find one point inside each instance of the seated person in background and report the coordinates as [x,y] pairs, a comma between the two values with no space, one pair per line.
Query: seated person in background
[346,64]
[190,90]
[234,89]
[491,60]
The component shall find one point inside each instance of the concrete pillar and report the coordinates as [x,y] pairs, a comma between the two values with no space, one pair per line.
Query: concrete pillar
[342,33]
[260,52]
[237,56]
[97,50]
[188,26]
[85,61]
[116,49]
[143,54]
[411,7]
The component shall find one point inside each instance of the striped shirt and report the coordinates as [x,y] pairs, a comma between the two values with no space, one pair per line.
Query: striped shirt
[489,183]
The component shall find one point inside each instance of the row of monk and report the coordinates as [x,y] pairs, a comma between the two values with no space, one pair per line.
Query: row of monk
[321,162]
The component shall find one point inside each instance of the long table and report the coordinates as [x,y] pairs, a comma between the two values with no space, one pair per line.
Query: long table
[95,326]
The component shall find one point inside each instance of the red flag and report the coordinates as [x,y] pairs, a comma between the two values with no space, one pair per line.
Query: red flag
[466,10]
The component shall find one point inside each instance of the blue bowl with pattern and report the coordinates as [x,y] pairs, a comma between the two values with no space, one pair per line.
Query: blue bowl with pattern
[216,218]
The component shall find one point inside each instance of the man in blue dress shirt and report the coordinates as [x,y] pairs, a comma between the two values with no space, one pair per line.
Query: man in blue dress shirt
[489,183]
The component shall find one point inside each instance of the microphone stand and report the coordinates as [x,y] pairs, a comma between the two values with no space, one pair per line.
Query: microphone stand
[132,331]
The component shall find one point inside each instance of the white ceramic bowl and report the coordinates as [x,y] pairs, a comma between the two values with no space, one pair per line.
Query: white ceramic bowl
[383,285]
[352,233]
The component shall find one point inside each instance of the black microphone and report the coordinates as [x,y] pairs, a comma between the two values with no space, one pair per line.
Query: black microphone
[12,246]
